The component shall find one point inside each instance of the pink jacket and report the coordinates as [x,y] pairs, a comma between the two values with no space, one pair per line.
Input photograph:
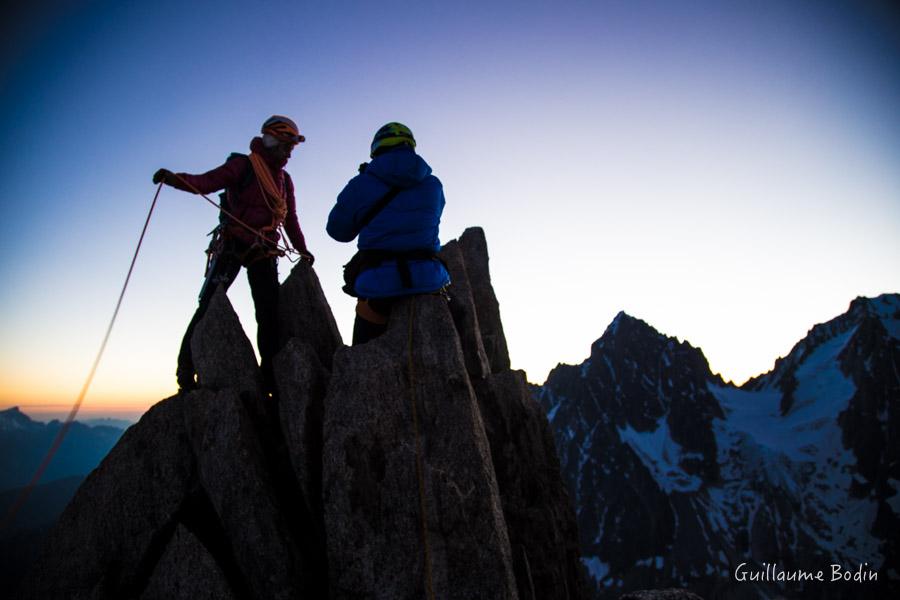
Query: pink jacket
[250,206]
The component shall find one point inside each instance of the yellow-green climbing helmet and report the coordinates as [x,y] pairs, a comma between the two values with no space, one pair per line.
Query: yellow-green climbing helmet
[392,134]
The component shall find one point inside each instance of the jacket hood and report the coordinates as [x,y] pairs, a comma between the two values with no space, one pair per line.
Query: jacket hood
[275,163]
[402,168]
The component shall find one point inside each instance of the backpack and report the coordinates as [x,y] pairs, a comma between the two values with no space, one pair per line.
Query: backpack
[217,243]
[228,197]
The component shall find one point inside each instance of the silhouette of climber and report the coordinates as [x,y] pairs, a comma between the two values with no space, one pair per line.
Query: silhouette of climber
[259,193]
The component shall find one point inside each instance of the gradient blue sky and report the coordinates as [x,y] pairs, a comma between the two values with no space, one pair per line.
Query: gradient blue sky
[727,171]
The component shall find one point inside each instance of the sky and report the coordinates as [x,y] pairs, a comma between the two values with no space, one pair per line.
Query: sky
[727,171]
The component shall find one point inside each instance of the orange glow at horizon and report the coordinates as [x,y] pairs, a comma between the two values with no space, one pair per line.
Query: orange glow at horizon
[48,402]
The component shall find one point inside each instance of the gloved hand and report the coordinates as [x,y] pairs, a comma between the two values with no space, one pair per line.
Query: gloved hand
[164,176]
[307,255]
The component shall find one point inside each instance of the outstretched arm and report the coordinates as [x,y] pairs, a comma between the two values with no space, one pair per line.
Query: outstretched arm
[217,179]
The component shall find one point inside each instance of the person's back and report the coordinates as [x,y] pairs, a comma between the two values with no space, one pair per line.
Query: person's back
[394,206]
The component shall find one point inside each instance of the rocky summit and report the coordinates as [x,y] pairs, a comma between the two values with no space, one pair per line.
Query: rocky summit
[414,466]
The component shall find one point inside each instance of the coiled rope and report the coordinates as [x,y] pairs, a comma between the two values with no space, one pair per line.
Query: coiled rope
[61,434]
[286,250]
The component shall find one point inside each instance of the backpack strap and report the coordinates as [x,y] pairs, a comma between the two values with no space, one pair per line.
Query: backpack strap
[379,205]
[247,177]
[235,190]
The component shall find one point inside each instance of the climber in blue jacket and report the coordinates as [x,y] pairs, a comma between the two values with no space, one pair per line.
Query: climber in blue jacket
[394,205]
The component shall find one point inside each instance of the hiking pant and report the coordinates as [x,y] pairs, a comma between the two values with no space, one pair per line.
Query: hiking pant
[263,278]
[365,330]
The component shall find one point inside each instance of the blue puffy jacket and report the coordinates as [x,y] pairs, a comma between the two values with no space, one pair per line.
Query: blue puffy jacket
[409,222]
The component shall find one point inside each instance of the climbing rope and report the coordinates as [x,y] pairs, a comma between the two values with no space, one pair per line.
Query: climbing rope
[275,200]
[420,471]
[285,249]
[282,203]
[61,434]
[26,491]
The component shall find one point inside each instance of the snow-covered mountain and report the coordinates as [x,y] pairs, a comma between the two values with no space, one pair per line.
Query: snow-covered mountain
[680,479]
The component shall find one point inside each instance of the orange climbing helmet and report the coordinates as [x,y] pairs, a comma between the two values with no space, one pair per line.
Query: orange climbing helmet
[283,129]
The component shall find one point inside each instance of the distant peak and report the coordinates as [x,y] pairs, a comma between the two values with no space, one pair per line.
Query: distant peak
[625,330]
[625,322]
[885,306]
[13,413]
[13,418]
[620,318]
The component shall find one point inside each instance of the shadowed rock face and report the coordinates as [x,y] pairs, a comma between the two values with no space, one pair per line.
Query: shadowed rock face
[539,515]
[372,501]
[302,383]
[244,492]
[187,570]
[109,538]
[222,493]
[474,250]
[223,356]
[304,314]
[465,315]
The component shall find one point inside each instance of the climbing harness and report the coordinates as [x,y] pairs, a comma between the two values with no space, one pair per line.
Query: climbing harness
[420,470]
[57,441]
[283,250]
[371,258]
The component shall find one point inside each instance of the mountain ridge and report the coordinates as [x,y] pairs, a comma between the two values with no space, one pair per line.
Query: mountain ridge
[24,443]
[643,422]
